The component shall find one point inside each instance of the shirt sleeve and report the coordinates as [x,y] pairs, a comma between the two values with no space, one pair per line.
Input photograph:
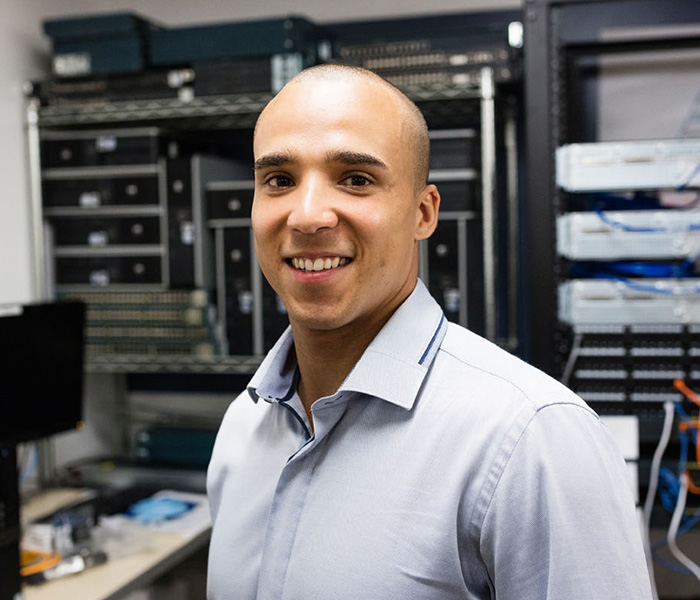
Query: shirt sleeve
[561,523]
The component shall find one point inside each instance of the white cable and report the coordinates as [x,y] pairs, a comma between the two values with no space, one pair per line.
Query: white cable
[573,357]
[651,492]
[673,529]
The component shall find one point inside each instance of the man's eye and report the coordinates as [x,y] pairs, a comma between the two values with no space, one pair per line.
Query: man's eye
[280,181]
[356,181]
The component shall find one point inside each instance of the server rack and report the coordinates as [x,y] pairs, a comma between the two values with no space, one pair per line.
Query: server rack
[557,31]
[619,338]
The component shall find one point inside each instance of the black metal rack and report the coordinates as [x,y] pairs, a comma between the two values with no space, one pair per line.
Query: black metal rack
[557,34]
[566,42]
[622,369]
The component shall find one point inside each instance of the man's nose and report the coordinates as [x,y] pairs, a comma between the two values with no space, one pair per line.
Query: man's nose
[312,208]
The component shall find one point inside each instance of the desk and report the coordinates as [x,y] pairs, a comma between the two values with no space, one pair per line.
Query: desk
[118,577]
[47,502]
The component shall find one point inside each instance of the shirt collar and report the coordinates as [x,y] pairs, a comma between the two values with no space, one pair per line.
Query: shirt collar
[392,368]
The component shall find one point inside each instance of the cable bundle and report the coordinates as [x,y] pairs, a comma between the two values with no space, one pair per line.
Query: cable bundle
[673,488]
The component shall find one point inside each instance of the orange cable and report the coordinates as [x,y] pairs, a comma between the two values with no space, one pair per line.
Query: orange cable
[33,561]
[680,385]
[697,446]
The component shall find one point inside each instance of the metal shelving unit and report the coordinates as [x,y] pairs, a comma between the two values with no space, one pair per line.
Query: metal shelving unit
[226,111]
[173,364]
[477,101]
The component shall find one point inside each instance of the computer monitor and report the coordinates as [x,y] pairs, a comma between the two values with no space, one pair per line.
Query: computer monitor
[41,369]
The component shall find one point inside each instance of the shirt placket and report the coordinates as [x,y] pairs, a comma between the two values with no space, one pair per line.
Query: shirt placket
[290,498]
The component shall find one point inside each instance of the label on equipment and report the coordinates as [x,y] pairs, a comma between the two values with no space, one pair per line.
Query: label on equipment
[187,233]
[97,238]
[67,65]
[106,143]
[100,278]
[89,199]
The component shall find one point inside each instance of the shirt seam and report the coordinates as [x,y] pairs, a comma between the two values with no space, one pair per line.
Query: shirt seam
[512,451]
[525,394]
[492,374]
[536,408]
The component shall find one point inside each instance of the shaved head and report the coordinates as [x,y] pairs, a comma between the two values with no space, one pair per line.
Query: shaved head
[337,183]
[413,125]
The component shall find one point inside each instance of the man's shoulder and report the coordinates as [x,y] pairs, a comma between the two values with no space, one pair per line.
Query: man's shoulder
[484,365]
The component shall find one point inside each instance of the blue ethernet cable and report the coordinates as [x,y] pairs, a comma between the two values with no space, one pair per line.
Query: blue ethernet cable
[634,229]
[640,287]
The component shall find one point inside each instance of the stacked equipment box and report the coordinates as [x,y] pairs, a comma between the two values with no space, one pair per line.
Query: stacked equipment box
[126,213]
[442,50]
[241,57]
[99,44]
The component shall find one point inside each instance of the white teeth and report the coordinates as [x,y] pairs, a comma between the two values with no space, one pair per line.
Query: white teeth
[319,264]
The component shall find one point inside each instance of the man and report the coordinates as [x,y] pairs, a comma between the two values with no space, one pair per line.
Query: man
[379,451]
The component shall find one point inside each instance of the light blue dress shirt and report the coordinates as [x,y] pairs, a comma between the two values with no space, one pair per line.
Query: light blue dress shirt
[442,468]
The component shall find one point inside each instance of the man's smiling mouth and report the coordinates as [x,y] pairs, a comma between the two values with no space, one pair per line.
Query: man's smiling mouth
[318,264]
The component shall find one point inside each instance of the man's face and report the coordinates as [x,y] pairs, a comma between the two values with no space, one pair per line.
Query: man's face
[337,215]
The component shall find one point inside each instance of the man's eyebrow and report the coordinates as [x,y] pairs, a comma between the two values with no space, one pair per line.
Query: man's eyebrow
[348,157]
[276,159]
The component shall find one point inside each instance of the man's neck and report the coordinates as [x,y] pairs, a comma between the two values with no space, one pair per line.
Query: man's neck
[326,356]
[325,359]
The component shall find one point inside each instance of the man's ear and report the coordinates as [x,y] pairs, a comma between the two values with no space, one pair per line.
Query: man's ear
[427,217]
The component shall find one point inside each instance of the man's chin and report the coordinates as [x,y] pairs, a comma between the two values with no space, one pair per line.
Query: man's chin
[318,319]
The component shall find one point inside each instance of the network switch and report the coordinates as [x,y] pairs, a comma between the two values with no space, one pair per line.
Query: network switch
[105,232]
[596,301]
[100,188]
[647,165]
[651,234]
[61,149]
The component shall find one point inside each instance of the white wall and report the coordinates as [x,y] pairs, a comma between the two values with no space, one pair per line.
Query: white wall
[24,52]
